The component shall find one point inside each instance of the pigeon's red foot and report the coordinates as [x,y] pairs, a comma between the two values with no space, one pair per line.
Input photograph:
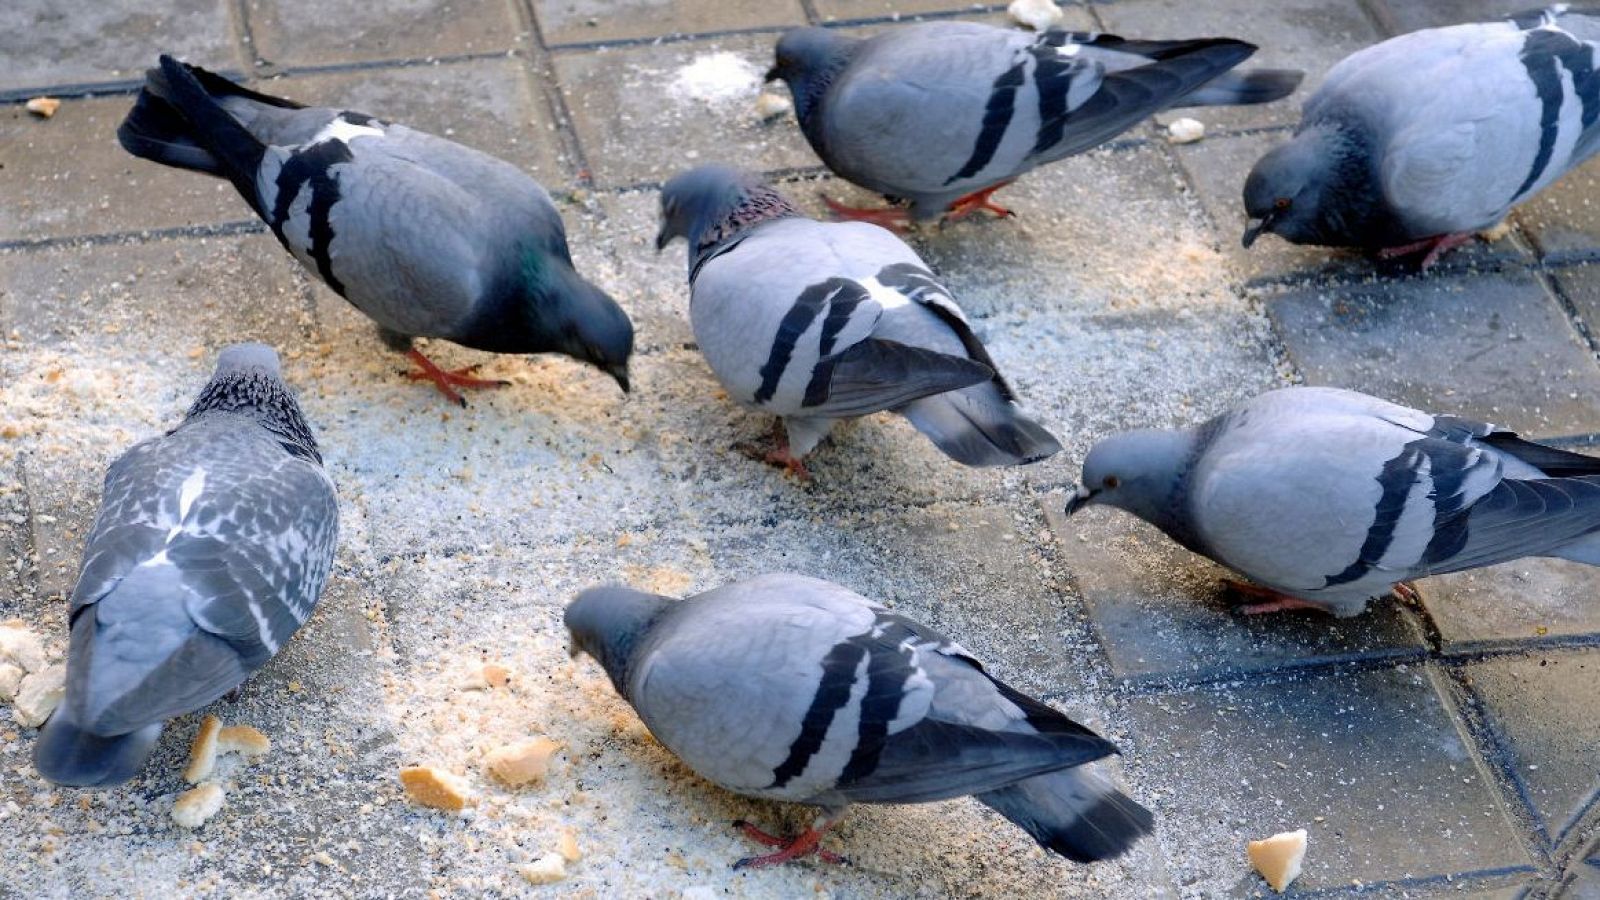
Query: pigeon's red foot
[1434,246]
[447,380]
[971,203]
[1271,601]
[805,844]
[778,454]
[894,218]
[1406,592]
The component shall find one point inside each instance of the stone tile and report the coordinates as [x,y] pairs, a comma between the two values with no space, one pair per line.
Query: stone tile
[489,105]
[1495,348]
[316,32]
[1583,881]
[68,176]
[45,43]
[1580,284]
[1162,613]
[843,10]
[194,293]
[599,21]
[1371,763]
[640,118]
[18,570]
[1519,600]
[1563,221]
[652,286]
[1311,35]
[1412,15]
[1541,709]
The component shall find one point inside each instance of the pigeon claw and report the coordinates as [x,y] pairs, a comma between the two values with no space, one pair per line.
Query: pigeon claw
[1433,247]
[893,218]
[1406,592]
[447,380]
[975,201]
[1271,601]
[807,843]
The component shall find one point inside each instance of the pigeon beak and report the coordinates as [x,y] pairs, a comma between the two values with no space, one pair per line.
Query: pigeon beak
[1255,228]
[620,373]
[663,237]
[573,651]
[771,76]
[1079,500]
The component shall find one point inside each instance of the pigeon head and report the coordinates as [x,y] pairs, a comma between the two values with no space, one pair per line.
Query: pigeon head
[711,204]
[1316,189]
[608,623]
[1136,471]
[248,381]
[549,308]
[807,59]
[594,329]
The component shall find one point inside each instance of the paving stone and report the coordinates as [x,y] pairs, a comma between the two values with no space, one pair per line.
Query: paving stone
[1411,15]
[192,293]
[489,105]
[316,32]
[1406,341]
[1517,601]
[1372,764]
[67,176]
[1580,285]
[640,119]
[1310,35]
[1162,613]
[1583,881]
[600,21]
[1541,708]
[844,10]
[45,43]
[1563,221]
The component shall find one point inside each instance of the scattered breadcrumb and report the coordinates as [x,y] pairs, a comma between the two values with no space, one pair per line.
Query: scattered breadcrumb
[203,751]
[38,695]
[1496,231]
[244,740]
[1185,131]
[1278,858]
[193,807]
[522,763]
[10,679]
[496,675]
[44,107]
[1036,14]
[21,646]
[718,78]
[435,788]
[771,106]
[567,846]
[548,869]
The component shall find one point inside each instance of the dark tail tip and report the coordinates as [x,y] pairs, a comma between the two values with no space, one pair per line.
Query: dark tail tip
[1106,830]
[68,755]
[1246,88]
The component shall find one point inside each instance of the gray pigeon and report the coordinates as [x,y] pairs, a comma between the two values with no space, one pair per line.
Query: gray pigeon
[1414,144]
[211,547]
[1325,498]
[943,114]
[427,237]
[790,688]
[819,321]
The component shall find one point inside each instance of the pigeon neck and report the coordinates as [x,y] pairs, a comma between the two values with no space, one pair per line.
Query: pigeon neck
[810,89]
[610,624]
[758,204]
[263,398]
[1154,470]
[1351,202]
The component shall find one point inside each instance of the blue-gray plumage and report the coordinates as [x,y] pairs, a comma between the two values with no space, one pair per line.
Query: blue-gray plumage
[792,688]
[210,549]
[427,237]
[1327,498]
[943,113]
[817,321]
[1416,143]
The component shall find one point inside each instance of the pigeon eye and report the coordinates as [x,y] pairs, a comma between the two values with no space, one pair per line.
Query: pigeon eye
[1281,203]
[1110,483]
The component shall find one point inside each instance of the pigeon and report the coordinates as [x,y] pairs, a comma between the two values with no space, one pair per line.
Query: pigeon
[211,547]
[791,688]
[425,236]
[943,114]
[1325,498]
[820,321]
[1413,145]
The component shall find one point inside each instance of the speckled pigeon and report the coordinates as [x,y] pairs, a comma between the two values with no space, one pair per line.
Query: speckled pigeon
[791,688]
[1414,144]
[943,114]
[427,237]
[211,547]
[1325,498]
[820,321]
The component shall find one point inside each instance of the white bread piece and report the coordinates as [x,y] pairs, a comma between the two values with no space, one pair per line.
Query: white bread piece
[203,751]
[547,869]
[193,807]
[522,763]
[38,695]
[11,676]
[21,646]
[435,788]
[248,742]
[1278,858]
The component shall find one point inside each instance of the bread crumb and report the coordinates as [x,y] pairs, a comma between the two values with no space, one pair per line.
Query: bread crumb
[522,763]
[38,695]
[548,869]
[1496,231]
[567,846]
[496,675]
[44,107]
[1278,858]
[10,679]
[248,742]
[193,807]
[323,859]
[1185,131]
[21,646]
[435,788]
[770,106]
[203,751]
[1036,14]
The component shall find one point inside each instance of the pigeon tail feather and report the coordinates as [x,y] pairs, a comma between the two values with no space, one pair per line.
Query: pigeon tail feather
[68,755]
[1245,88]
[1076,813]
[976,426]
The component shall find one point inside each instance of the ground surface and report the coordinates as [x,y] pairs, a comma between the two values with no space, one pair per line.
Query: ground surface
[1450,750]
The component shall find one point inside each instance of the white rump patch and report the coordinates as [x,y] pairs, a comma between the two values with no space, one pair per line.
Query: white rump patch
[886,297]
[1068,50]
[343,131]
